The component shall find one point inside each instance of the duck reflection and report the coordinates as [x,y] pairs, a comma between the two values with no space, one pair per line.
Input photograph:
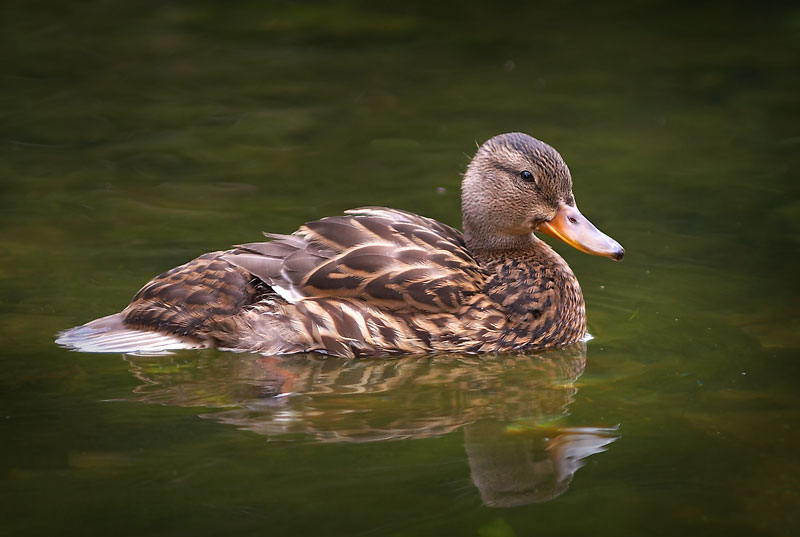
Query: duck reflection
[508,407]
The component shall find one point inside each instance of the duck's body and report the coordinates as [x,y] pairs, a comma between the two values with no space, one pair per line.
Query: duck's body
[380,281]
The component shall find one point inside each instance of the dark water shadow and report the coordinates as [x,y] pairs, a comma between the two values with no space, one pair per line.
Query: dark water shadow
[508,406]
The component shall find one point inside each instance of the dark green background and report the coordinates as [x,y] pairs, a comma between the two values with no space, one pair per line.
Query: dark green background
[137,135]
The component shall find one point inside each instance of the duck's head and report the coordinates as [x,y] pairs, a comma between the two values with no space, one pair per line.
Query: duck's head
[516,185]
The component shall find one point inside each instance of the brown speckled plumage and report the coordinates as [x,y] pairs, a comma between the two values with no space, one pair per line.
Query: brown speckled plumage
[382,281]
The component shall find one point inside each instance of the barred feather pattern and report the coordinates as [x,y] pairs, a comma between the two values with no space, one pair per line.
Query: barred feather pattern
[375,282]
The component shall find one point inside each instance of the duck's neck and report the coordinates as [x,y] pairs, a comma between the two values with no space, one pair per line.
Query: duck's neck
[529,277]
[502,248]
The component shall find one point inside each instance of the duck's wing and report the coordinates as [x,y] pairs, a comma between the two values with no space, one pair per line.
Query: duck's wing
[172,311]
[386,257]
[180,300]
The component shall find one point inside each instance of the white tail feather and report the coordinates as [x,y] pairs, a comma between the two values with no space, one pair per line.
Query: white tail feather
[109,334]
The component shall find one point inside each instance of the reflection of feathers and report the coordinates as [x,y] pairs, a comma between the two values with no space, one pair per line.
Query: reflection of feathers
[498,401]
[408,397]
[378,281]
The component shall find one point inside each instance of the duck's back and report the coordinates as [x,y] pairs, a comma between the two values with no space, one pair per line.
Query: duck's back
[345,285]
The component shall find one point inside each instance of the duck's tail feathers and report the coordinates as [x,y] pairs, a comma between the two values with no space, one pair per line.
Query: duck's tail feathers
[109,334]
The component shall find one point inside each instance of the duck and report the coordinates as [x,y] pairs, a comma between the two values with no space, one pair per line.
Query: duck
[377,281]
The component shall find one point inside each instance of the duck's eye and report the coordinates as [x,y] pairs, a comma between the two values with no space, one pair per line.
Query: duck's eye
[526,176]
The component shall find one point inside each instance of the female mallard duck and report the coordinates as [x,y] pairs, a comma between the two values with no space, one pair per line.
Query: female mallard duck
[383,281]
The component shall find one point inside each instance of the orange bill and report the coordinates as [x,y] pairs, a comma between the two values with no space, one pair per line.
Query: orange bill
[572,227]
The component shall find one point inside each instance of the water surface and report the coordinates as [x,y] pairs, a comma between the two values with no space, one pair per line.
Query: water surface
[134,137]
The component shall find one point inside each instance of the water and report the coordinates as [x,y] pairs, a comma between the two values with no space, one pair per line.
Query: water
[137,136]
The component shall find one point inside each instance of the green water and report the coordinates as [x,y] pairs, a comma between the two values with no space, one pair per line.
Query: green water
[137,135]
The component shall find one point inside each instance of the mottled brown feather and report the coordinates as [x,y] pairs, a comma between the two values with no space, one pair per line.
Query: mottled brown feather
[182,301]
[345,256]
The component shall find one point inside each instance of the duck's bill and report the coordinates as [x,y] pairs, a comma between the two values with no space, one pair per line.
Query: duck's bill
[572,227]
